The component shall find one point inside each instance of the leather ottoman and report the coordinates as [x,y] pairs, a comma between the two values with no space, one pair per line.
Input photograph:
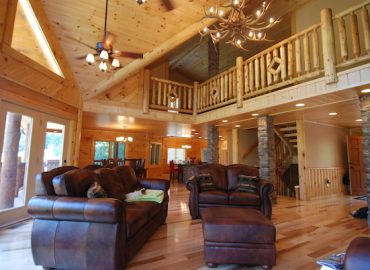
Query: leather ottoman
[239,236]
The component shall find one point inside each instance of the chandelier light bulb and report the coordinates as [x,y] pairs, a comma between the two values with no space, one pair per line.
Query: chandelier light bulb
[104,55]
[211,10]
[90,59]
[218,34]
[103,66]
[239,42]
[221,13]
[258,13]
[271,20]
[259,35]
[263,3]
[205,29]
[250,34]
[236,2]
[115,63]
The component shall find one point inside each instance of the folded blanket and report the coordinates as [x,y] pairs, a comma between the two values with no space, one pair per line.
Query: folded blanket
[150,195]
[335,262]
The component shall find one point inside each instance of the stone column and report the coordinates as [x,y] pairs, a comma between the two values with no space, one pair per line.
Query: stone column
[213,155]
[266,150]
[365,115]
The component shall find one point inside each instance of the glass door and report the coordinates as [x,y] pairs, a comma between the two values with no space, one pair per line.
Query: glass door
[54,147]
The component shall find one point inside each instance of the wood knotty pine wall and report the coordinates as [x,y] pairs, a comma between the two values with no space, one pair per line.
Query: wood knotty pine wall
[139,148]
[29,84]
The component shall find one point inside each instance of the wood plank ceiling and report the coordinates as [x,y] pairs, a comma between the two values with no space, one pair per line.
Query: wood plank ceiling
[80,24]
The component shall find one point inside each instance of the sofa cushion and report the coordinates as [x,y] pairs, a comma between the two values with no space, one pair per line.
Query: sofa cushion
[244,198]
[248,184]
[74,183]
[218,173]
[152,208]
[136,218]
[234,170]
[213,197]
[206,182]
[128,178]
[111,183]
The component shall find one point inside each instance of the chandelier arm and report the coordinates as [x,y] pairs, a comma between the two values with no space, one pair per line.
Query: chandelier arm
[105,19]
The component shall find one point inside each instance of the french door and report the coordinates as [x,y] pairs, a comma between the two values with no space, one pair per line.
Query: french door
[30,142]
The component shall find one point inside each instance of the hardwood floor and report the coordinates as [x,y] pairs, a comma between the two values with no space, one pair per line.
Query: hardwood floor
[306,231]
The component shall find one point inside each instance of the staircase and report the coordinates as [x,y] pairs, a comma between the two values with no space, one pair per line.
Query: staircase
[286,149]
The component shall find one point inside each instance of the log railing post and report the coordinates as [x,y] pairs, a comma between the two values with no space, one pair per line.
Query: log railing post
[239,81]
[328,45]
[146,88]
[195,100]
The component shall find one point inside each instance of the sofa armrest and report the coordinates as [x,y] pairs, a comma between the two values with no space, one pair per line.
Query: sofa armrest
[99,210]
[159,184]
[265,190]
[357,254]
[193,186]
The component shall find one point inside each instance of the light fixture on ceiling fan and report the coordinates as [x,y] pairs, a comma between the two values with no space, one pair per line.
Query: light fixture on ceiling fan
[167,3]
[124,139]
[104,49]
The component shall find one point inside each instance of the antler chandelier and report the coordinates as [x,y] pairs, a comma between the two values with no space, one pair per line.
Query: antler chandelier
[235,24]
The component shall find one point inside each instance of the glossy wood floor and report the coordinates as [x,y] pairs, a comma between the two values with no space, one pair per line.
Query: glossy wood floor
[306,231]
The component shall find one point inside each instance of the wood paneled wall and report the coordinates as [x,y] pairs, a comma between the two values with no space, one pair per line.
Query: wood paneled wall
[324,181]
[139,148]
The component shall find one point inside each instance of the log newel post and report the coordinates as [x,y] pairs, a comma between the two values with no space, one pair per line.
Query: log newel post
[239,81]
[146,88]
[195,95]
[328,45]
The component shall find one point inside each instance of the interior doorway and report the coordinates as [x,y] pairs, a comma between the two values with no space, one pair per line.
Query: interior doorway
[355,146]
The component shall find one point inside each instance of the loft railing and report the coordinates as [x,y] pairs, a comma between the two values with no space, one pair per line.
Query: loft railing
[336,43]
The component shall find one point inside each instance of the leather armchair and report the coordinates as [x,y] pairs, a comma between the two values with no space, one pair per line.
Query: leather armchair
[226,180]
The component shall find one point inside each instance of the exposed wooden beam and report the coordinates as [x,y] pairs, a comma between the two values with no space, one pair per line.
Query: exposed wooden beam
[149,58]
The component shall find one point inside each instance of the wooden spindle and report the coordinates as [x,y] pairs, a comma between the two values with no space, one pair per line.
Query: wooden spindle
[154,91]
[234,84]
[298,61]
[239,81]
[269,75]
[343,39]
[190,97]
[222,87]
[306,54]
[283,62]
[257,73]
[366,28]
[355,35]
[230,85]
[226,93]
[146,88]
[276,76]
[251,76]
[315,50]
[195,98]
[165,92]
[290,60]
[219,89]
[159,93]
[246,79]
[263,71]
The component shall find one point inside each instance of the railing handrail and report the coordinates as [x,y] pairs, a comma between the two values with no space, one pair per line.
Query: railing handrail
[172,82]
[218,75]
[350,10]
[284,41]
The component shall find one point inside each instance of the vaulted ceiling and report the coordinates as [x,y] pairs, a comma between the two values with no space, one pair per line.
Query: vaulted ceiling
[79,25]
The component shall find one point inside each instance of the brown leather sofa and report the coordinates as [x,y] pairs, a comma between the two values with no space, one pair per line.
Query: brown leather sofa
[71,231]
[226,179]
[358,254]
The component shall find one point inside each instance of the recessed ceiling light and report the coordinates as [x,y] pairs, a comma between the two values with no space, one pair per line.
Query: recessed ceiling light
[220,136]
[193,130]
[255,114]
[200,137]
[365,91]
[333,113]
[359,120]
[237,126]
[225,121]
[300,105]
[196,133]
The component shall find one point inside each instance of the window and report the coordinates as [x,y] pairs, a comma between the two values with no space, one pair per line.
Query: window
[108,150]
[155,153]
[176,154]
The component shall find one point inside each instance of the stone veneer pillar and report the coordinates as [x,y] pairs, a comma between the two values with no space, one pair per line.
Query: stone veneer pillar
[213,155]
[266,150]
[365,115]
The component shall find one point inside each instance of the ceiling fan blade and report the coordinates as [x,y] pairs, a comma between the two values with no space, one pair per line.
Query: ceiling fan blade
[129,54]
[81,42]
[168,4]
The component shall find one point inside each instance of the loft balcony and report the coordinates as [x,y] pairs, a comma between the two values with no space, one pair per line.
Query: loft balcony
[325,58]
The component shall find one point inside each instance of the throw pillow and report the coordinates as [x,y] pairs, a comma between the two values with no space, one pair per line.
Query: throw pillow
[206,182]
[96,191]
[247,184]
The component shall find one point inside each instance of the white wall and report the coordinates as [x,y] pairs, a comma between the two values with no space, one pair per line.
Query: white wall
[248,138]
